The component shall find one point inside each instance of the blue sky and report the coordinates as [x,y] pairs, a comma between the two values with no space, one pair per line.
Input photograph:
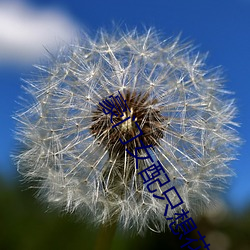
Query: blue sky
[221,27]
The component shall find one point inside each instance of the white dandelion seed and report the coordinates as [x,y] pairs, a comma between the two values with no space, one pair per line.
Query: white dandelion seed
[74,154]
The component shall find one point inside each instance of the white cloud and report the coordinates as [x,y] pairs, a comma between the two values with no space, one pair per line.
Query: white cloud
[25,31]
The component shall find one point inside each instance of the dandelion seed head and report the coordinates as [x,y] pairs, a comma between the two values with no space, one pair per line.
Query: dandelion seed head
[76,157]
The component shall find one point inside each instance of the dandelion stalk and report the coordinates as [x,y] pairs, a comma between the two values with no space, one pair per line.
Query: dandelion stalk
[105,236]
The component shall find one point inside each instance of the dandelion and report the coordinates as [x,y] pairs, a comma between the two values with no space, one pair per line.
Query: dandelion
[76,157]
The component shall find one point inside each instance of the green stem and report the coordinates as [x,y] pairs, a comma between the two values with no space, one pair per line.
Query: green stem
[105,236]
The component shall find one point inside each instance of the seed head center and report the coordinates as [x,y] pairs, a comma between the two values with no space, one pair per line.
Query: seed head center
[140,118]
[128,124]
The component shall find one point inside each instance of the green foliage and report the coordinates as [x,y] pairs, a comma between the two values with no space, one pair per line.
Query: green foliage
[25,225]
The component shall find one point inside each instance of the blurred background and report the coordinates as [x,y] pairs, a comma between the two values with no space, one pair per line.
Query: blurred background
[28,28]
